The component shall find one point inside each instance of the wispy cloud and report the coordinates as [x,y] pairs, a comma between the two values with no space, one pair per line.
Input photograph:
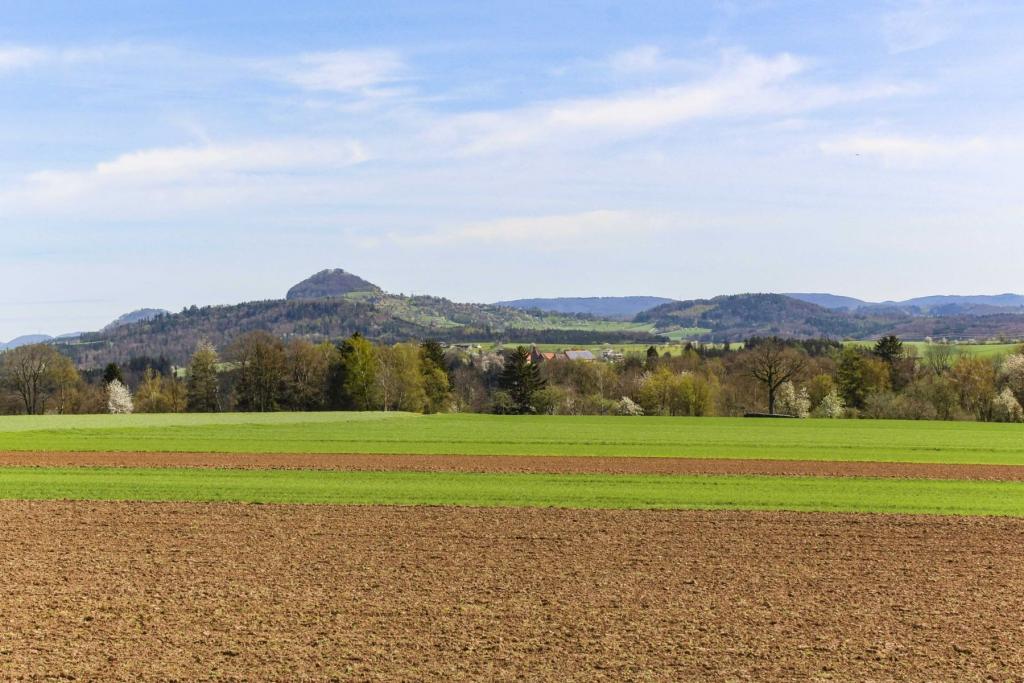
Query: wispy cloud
[920,24]
[897,150]
[574,230]
[742,85]
[18,57]
[184,171]
[342,71]
[643,58]
[27,56]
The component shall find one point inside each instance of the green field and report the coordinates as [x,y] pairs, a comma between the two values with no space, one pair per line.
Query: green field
[396,433]
[983,350]
[919,496]
[393,433]
[673,348]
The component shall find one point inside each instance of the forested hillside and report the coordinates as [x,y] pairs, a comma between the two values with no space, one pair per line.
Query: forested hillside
[747,315]
[381,317]
[612,307]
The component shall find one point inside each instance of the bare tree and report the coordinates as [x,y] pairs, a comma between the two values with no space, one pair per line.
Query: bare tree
[939,358]
[34,373]
[773,364]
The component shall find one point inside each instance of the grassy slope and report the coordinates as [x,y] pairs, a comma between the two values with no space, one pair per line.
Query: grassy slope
[867,440]
[518,490]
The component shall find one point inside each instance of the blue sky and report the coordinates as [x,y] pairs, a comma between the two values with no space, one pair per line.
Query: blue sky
[176,153]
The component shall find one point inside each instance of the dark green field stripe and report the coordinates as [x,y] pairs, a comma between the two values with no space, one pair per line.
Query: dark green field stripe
[847,494]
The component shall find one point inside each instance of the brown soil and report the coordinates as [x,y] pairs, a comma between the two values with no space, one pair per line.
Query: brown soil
[157,591]
[515,463]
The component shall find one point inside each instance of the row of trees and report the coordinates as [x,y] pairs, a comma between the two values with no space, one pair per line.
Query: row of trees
[260,372]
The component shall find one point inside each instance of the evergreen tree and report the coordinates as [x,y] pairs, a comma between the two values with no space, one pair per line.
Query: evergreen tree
[889,349]
[432,352]
[112,372]
[203,389]
[521,379]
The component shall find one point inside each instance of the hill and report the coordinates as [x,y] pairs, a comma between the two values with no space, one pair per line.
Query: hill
[828,300]
[612,307]
[381,317]
[25,340]
[329,284]
[739,316]
[944,305]
[135,317]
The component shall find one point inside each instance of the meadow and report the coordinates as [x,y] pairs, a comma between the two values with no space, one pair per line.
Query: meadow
[981,350]
[402,433]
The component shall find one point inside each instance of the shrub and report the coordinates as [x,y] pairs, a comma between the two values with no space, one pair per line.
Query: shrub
[885,405]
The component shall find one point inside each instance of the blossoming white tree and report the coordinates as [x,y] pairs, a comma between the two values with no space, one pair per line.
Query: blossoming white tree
[1012,374]
[628,406]
[831,405]
[793,402]
[1006,408]
[119,399]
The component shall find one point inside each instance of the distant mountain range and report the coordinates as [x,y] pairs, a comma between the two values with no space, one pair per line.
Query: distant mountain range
[126,319]
[940,305]
[25,340]
[333,304]
[627,307]
[136,317]
[611,307]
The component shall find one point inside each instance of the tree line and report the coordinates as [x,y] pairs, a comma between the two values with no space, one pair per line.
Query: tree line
[260,372]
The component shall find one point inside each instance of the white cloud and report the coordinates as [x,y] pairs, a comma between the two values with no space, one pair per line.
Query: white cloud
[343,70]
[23,56]
[897,150]
[638,59]
[743,85]
[20,57]
[575,230]
[184,171]
[920,24]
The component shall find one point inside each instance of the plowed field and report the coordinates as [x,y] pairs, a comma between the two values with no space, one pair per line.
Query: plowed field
[158,591]
[561,464]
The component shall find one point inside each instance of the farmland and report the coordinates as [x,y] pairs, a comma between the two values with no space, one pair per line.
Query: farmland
[985,350]
[818,494]
[401,433]
[382,546]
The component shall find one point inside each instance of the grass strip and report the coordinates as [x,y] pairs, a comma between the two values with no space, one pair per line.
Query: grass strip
[823,494]
[378,433]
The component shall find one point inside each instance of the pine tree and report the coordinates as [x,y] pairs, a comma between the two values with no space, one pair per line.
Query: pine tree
[521,379]
[112,372]
[889,349]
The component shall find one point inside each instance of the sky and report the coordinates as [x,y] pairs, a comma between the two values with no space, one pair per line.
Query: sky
[165,154]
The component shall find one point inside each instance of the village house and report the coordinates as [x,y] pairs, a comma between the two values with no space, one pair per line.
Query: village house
[537,356]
